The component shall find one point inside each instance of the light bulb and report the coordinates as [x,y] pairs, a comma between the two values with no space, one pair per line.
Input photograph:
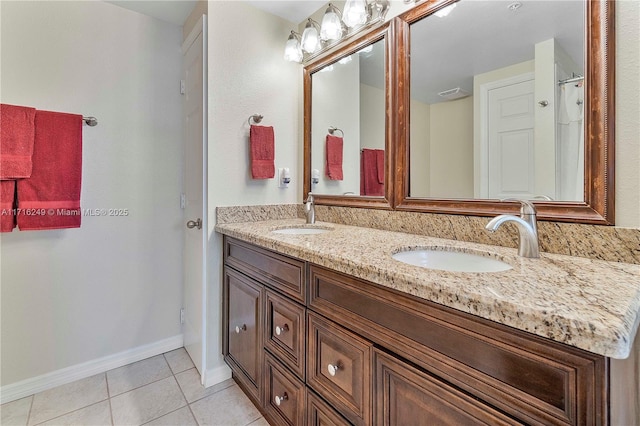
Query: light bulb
[355,13]
[292,50]
[310,38]
[331,28]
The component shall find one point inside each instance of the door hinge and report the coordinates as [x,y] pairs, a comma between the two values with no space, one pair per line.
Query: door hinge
[183,201]
[182,87]
[182,316]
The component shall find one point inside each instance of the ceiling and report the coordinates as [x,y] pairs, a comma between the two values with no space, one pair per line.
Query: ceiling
[176,11]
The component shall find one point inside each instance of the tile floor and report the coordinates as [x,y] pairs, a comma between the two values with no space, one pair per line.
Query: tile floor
[163,390]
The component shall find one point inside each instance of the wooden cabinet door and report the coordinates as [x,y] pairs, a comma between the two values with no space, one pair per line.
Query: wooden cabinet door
[243,332]
[404,395]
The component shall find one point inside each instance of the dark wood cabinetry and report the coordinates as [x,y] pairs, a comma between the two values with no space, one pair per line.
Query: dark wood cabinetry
[346,351]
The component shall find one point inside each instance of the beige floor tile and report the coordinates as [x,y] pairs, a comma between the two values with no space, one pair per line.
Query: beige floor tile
[228,407]
[189,382]
[138,374]
[67,398]
[95,415]
[182,417]
[260,422]
[179,360]
[15,413]
[147,403]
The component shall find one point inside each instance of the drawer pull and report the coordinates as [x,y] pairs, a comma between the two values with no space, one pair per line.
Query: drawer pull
[283,329]
[239,329]
[280,399]
[333,369]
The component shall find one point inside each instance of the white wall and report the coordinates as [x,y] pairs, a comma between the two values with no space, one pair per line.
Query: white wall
[247,75]
[72,296]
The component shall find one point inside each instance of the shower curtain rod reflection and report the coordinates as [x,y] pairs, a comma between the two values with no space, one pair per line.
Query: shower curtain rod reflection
[571,80]
[90,121]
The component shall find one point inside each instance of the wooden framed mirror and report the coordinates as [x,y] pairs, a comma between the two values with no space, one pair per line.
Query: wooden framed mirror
[475,39]
[348,90]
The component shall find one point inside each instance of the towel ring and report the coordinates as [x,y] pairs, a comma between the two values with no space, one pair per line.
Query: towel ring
[332,130]
[90,121]
[257,118]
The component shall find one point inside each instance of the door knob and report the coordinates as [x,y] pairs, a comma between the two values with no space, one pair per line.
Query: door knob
[194,224]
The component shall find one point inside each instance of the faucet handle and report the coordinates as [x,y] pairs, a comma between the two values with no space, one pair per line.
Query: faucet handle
[526,207]
[309,198]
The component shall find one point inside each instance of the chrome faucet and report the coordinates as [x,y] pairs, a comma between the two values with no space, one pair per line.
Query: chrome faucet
[527,228]
[310,209]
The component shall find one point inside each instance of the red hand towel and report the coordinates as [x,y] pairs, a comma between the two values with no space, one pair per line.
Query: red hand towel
[7,193]
[380,165]
[50,199]
[334,157]
[369,183]
[16,141]
[262,144]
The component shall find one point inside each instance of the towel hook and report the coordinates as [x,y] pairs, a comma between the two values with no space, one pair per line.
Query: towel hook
[257,118]
[333,129]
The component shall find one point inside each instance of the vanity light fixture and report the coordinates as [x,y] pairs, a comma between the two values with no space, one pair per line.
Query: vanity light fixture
[359,14]
[311,37]
[331,28]
[293,50]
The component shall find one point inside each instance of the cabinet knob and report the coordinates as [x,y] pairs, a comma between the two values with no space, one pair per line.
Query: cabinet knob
[280,399]
[283,329]
[239,329]
[333,369]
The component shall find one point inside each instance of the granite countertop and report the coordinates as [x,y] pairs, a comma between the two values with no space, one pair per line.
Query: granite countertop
[590,304]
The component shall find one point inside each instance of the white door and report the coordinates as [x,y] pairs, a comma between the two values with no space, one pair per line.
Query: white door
[511,145]
[195,194]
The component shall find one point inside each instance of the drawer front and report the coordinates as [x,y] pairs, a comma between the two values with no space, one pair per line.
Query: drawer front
[319,413]
[407,396]
[530,378]
[284,333]
[275,270]
[338,368]
[243,347]
[285,395]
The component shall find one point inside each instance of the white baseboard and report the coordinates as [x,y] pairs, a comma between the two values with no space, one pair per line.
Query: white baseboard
[50,380]
[216,375]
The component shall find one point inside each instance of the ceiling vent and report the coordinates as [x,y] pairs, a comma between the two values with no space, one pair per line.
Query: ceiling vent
[455,93]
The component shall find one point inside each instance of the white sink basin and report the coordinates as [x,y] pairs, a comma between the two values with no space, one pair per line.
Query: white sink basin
[301,231]
[447,260]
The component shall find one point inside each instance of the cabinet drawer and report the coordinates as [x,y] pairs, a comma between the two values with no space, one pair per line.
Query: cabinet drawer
[319,413]
[275,270]
[284,333]
[532,379]
[338,368]
[285,396]
[243,331]
[405,395]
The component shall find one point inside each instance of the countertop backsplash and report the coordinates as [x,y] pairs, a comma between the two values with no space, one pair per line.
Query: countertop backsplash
[597,242]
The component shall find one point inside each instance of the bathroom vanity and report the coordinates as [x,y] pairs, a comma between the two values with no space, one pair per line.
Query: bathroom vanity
[330,329]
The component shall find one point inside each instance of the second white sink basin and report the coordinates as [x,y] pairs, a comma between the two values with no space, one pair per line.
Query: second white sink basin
[454,261]
[301,231]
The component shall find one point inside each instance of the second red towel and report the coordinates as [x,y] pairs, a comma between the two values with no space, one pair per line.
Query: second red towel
[262,143]
[50,199]
[334,157]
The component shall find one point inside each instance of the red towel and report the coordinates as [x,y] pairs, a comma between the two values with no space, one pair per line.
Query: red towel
[334,157]
[262,144]
[7,192]
[16,141]
[370,174]
[50,199]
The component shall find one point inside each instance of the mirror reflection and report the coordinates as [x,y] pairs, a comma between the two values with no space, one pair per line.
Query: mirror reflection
[348,118]
[497,99]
